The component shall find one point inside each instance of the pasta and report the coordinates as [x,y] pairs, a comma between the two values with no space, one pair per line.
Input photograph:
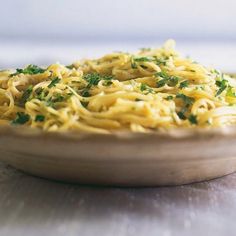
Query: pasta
[150,90]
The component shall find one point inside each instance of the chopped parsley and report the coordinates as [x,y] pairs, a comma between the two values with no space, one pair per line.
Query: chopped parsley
[145,87]
[222,84]
[30,70]
[155,59]
[188,101]
[70,66]
[85,93]
[169,98]
[54,81]
[166,79]
[193,119]
[107,83]
[58,98]
[21,118]
[26,95]
[160,61]
[181,114]
[39,118]
[41,93]
[143,59]
[184,84]
[94,78]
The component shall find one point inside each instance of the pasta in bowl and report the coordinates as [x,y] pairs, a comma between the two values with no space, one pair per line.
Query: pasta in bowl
[151,90]
[143,119]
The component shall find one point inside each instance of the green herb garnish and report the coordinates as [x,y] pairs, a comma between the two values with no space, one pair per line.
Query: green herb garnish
[166,79]
[85,93]
[184,84]
[145,87]
[39,118]
[26,95]
[186,99]
[222,84]
[193,119]
[54,81]
[168,98]
[143,59]
[21,118]
[181,114]
[30,70]
[94,78]
[70,66]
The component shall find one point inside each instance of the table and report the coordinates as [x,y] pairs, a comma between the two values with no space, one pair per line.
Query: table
[30,206]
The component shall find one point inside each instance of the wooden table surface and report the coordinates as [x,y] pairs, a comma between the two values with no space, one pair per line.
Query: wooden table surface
[31,206]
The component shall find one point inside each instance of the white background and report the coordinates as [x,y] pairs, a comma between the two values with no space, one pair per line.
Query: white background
[122,19]
[45,31]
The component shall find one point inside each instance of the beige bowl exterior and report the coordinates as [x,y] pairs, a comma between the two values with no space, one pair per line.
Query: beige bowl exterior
[121,159]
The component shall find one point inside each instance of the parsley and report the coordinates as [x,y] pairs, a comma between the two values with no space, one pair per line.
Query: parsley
[145,87]
[27,93]
[181,114]
[222,84]
[168,98]
[95,78]
[70,66]
[162,74]
[193,119]
[107,83]
[53,83]
[173,81]
[57,98]
[184,84]
[30,70]
[160,61]
[85,93]
[186,99]
[21,118]
[161,83]
[41,94]
[166,79]
[143,59]
[39,118]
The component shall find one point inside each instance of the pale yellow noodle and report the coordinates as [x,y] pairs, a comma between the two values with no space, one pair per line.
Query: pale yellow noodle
[141,92]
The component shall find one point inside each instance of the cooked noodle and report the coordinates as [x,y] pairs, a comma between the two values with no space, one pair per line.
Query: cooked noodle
[150,90]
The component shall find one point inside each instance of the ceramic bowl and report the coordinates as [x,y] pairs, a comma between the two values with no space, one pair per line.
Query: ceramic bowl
[121,159]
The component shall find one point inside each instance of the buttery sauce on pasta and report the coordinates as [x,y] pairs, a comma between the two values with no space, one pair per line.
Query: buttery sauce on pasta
[150,90]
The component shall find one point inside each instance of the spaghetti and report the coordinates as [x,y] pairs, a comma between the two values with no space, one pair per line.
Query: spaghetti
[150,90]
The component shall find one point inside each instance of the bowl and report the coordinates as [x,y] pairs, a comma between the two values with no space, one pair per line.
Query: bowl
[161,158]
